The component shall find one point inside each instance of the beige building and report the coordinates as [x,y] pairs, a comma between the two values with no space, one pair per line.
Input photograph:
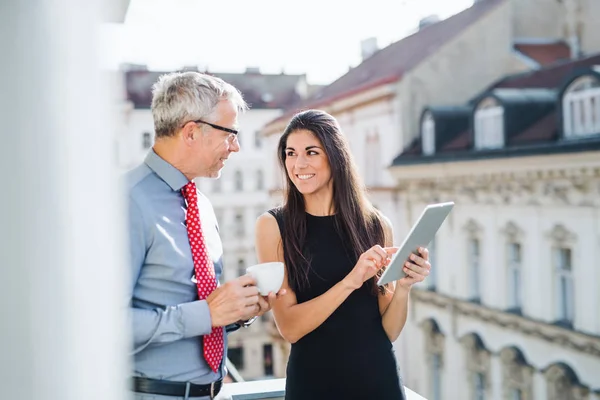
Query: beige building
[512,310]
[384,103]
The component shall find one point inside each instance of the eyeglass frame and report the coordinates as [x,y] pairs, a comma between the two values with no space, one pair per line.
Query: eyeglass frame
[219,127]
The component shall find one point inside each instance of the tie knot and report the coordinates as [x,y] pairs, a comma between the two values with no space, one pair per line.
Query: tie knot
[189,191]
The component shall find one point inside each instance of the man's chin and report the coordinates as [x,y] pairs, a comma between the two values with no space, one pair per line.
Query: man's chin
[215,174]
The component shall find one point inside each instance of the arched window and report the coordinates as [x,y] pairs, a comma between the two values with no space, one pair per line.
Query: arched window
[517,375]
[581,107]
[563,383]
[428,134]
[434,349]
[478,366]
[489,125]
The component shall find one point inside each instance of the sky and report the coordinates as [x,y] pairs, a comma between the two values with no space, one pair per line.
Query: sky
[319,38]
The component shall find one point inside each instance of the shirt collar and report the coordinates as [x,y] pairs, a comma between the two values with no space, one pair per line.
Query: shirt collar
[165,171]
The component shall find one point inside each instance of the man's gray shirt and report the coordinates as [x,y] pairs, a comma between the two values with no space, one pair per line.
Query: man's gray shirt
[168,320]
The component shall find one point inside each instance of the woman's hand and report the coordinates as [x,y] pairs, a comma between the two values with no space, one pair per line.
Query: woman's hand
[416,269]
[368,264]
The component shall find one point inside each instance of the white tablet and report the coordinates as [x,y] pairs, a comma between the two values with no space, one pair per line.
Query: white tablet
[420,235]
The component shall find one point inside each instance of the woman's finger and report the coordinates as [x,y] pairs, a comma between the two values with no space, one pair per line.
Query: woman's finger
[420,261]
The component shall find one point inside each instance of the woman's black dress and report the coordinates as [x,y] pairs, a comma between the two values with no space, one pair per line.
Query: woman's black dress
[349,356]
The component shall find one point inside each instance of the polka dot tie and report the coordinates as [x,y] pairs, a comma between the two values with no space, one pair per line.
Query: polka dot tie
[205,273]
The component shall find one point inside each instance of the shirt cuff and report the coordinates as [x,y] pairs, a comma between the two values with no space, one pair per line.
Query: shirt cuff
[195,318]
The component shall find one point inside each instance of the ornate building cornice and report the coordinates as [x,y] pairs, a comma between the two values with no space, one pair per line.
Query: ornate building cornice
[560,186]
[554,334]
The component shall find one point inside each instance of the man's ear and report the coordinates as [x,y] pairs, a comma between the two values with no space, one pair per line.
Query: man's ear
[188,132]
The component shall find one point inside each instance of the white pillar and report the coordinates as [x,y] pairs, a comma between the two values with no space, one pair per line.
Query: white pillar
[62,271]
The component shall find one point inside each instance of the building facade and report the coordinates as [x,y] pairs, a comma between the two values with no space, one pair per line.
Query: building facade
[512,309]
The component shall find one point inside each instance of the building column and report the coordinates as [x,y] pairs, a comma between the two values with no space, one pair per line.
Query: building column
[62,268]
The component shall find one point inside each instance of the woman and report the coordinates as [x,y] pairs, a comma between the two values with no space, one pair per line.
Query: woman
[334,245]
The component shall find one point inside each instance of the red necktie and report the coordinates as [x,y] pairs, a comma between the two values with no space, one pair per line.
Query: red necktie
[205,273]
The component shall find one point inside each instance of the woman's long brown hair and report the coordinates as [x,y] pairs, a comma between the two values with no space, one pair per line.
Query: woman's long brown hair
[355,215]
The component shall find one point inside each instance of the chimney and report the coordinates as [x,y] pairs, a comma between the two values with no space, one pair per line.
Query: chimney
[368,47]
[132,67]
[573,20]
[429,20]
[192,68]
[253,70]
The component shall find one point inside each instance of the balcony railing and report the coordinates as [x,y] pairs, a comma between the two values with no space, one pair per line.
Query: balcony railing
[270,389]
[266,388]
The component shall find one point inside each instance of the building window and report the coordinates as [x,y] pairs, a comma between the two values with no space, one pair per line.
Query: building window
[564,285]
[474,270]
[372,159]
[562,383]
[260,180]
[428,134]
[514,276]
[562,242]
[236,356]
[257,140]
[216,185]
[434,350]
[239,224]
[219,216]
[513,261]
[436,377]
[517,375]
[268,359]
[478,365]
[431,280]
[581,108]
[479,386]
[146,140]
[238,181]
[489,125]
[473,259]
[241,266]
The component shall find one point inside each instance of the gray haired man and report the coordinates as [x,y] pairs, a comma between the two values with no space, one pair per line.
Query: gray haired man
[180,315]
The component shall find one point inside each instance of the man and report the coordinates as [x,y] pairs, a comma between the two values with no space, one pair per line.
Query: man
[180,316]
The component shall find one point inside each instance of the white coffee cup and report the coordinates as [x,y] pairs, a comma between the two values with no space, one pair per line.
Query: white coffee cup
[269,276]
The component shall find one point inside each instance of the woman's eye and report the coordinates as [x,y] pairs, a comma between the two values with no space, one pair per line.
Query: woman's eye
[290,153]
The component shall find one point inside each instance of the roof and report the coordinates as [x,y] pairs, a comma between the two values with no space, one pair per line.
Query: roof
[544,53]
[532,118]
[449,123]
[549,77]
[390,63]
[261,91]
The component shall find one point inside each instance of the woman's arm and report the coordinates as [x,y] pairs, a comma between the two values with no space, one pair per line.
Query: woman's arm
[393,305]
[295,320]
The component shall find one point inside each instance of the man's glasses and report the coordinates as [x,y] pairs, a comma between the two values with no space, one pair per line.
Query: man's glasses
[221,128]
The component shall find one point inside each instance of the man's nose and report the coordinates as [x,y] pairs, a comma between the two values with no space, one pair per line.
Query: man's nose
[234,145]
